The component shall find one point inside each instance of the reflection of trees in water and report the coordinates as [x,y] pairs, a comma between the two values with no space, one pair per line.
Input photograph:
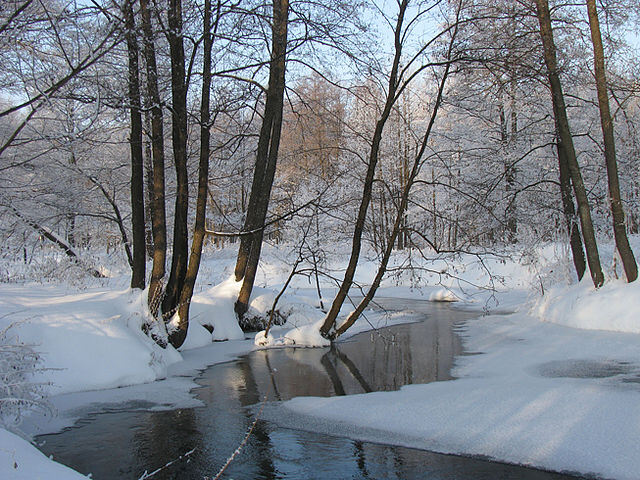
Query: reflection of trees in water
[272,376]
[390,361]
[332,373]
[405,354]
[351,367]
[125,444]
[361,458]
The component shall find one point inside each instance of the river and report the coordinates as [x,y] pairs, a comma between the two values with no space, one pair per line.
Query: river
[125,441]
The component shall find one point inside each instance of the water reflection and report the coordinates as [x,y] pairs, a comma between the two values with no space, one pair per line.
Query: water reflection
[419,352]
[122,445]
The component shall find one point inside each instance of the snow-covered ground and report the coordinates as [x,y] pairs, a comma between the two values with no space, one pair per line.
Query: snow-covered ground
[525,399]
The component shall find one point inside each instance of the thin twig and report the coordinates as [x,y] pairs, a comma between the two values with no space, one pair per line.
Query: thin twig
[146,475]
[243,443]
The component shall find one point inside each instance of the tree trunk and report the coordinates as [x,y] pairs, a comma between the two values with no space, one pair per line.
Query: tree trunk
[254,220]
[617,212]
[575,240]
[402,207]
[266,159]
[178,336]
[510,172]
[158,215]
[356,243]
[148,181]
[135,144]
[564,134]
[179,142]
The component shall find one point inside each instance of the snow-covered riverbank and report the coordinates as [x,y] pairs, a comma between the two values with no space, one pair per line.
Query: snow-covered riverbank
[536,393]
[528,398]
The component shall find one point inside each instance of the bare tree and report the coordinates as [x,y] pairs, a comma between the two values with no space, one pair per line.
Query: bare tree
[266,158]
[180,254]
[566,140]
[617,212]
[398,80]
[135,142]
[178,335]
[158,210]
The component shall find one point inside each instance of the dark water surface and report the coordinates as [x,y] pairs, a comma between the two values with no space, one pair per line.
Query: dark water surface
[123,443]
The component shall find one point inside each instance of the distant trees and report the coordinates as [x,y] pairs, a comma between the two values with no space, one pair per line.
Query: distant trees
[49,119]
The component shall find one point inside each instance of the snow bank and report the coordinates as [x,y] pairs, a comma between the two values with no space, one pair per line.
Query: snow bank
[19,460]
[214,307]
[88,340]
[443,295]
[615,306]
[305,335]
[524,400]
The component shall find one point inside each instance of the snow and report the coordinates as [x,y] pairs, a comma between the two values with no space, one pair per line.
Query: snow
[555,385]
[615,306]
[307,335]
[443,295]
[92,339]
[523,400]
[88,340]
[214,307]
[197,336]
[22,461]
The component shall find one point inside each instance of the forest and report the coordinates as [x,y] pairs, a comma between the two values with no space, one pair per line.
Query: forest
[231,169]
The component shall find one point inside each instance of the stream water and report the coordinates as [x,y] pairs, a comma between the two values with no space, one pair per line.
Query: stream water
[124,442]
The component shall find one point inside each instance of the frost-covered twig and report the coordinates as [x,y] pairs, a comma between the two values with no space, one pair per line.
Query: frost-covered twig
[146,475]
[243,443]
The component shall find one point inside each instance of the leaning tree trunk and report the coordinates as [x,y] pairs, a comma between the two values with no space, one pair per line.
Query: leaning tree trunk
[266,160]
[178,336]
[135,144]
[57,241]
[568,208]
[179,142]
[564,134]
[333,331]
[356,242]
[158,215]
[619,230]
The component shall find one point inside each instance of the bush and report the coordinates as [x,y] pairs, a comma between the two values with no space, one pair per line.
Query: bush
[18,392]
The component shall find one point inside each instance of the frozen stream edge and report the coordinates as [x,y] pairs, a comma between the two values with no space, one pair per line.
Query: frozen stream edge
[503,406]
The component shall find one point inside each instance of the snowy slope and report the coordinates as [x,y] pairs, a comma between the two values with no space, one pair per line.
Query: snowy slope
[19,460]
